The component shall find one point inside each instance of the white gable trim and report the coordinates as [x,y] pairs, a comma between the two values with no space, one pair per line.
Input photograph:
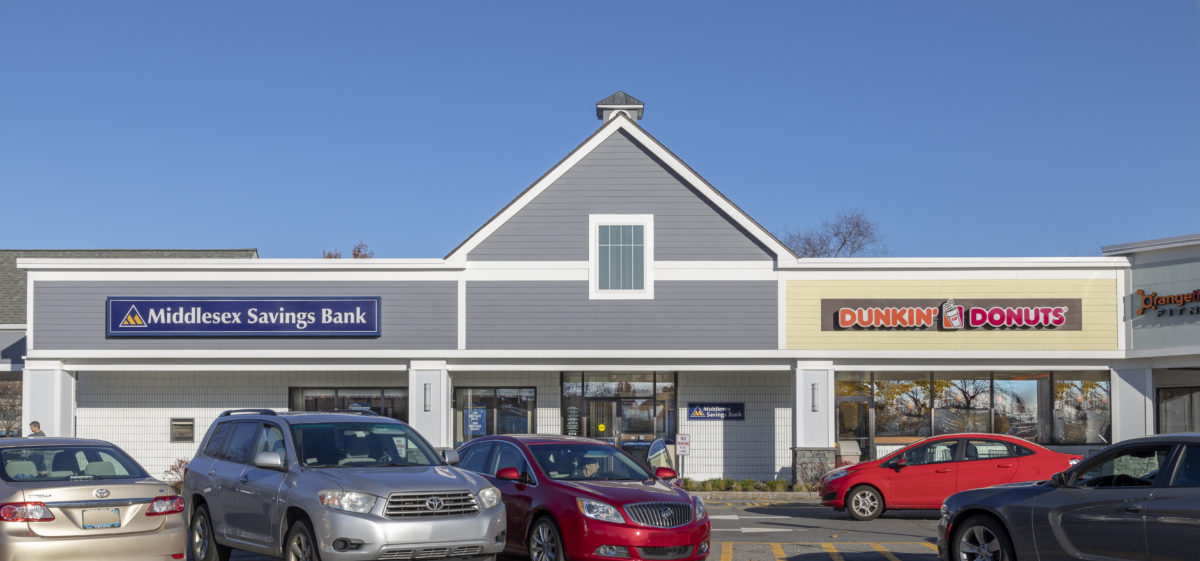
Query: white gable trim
[623,122]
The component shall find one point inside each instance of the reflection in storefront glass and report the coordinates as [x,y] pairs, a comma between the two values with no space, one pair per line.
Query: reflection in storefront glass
[630,406]
[901,407]
[961,402]
[483,411]
[1081,408]
[1178,410]
[1016,404]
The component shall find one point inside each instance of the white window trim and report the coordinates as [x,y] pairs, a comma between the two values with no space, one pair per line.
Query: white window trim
[644,220]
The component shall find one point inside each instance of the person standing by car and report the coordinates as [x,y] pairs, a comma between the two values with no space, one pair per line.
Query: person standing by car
[35,429]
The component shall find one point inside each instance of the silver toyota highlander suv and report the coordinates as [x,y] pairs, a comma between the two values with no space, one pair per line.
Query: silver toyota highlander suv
[339,485]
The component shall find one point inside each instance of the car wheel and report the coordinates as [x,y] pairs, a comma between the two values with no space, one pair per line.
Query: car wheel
[864,503]
[203,542]
[544,542]
[981,538]
[300,544]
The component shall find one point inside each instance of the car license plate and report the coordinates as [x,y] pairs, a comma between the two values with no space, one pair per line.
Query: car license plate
[95,518]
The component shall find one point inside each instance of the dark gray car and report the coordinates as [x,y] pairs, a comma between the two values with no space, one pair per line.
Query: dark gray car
[1139,499]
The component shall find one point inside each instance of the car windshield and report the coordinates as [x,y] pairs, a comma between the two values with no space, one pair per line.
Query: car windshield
[361,444]
[67,463]
[579,462]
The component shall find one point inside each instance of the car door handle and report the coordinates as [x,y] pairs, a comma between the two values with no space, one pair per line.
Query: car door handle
[945,470]
[1134,509]
[212,473]
[1004,465]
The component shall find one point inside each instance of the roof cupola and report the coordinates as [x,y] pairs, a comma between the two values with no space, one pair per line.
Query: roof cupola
[619,102]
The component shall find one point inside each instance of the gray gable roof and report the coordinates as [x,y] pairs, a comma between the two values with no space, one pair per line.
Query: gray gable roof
[12,279]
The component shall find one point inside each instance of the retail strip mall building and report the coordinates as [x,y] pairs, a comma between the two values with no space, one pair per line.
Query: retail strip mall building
[621,297]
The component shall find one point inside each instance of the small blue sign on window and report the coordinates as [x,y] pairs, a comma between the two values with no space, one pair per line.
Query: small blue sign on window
[476,421]
[716,411]
[243,317]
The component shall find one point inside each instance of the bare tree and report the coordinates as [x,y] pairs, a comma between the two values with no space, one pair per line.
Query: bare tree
[10,408]
[360,251]
[850,234]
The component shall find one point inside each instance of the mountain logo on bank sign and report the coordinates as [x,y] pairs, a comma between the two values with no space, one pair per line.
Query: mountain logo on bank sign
[133,318]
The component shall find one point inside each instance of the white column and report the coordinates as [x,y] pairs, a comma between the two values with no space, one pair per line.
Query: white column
[430,408]
[48,397]
[813,406]
[1132,403]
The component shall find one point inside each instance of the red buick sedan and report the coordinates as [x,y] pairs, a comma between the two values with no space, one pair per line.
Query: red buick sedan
[587,501]
[923,474]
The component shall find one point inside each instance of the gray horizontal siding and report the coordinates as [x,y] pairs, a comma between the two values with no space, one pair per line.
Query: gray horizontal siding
[684,315]
[12,350]
[619,177]
[416,315]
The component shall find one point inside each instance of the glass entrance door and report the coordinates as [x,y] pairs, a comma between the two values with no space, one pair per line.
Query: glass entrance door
[853,428]
[602,420]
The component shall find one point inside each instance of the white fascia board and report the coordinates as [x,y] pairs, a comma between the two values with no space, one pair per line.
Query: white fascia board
[1172,352]
[622,122]
[12,327]
[951,274]
[450,354]
[975,366]
[924,263]
[579,271]
[623,367]
[247,276]
[236,264]
[228,366]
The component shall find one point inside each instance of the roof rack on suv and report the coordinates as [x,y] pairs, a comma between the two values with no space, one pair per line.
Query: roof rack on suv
[353,412]
[248,411]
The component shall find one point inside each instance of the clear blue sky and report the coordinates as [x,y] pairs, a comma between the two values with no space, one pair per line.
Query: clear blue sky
[1015,128]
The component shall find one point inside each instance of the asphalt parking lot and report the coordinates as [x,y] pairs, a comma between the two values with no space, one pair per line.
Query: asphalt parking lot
[782,530]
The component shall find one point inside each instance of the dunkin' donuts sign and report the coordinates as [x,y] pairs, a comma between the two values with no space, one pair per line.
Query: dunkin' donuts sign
[951,315]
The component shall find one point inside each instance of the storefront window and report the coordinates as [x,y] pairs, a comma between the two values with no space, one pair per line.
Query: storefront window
[1178,410]
[1081,408]
[1015,409]
[619,406]
[389,402]
[962,402]
[483,411]
[878,412]
[901,407]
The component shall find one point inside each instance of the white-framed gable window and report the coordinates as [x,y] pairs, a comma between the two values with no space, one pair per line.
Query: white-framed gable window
[621,256]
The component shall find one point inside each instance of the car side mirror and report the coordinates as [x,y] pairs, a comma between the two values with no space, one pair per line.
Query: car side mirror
[508,474]
[899,463]
[665,473]
[269,460]
[1059,479]
[451,456]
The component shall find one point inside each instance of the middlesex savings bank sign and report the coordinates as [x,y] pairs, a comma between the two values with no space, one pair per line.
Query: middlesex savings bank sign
[243,317]
[951,315]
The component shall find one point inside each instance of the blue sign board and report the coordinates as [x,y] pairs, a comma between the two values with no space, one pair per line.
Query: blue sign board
[476,421]
[716,411]
[243,317]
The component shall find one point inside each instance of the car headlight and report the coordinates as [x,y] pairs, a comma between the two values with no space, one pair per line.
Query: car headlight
[489,497]
[599,511]
[835,475]
[349,501]
[701,512]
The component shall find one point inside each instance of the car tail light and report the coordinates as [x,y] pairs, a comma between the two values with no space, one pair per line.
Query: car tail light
[25,512]
[165,505]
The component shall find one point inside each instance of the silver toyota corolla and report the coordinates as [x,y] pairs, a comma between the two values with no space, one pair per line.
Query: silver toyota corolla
[334,486]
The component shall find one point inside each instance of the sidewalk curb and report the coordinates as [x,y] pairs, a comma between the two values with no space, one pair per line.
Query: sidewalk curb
[801,497]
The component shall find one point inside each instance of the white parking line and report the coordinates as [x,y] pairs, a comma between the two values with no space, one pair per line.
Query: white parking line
[741,517]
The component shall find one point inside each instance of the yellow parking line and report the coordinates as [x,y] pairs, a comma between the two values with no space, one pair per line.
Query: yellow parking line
[929,545]
[884,551]
[727,551]
[832,551]
[778,551]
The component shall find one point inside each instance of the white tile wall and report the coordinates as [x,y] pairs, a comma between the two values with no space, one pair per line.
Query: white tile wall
[759,447]
[549,392]
[134,409]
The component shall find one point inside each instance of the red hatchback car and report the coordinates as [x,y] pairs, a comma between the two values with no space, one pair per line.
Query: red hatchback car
[583,500]
[923,474]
